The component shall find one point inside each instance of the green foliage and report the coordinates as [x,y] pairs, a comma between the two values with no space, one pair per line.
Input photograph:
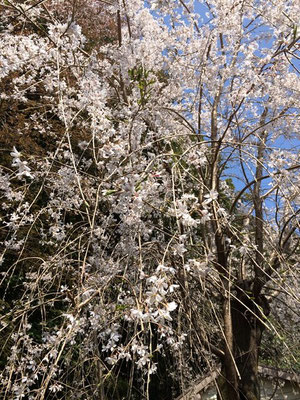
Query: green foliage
[144,82]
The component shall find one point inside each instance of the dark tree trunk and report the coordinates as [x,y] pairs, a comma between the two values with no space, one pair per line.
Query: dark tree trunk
[247,328]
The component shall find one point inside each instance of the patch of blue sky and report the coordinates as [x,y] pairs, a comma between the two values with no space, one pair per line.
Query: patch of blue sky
[200,10]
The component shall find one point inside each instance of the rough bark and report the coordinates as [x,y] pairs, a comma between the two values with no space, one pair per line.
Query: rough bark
[247,328]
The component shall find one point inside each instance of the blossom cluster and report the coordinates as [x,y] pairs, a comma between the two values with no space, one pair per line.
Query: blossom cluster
[141,163]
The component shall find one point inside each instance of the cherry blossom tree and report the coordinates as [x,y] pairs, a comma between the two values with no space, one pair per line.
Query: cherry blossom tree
[149,195]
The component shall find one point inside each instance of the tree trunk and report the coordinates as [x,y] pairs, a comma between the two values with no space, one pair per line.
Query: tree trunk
[247,332]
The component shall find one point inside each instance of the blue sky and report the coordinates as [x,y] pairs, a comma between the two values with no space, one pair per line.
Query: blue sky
[265,42]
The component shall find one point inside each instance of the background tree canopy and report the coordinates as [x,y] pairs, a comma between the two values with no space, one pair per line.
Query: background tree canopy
[149,183]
